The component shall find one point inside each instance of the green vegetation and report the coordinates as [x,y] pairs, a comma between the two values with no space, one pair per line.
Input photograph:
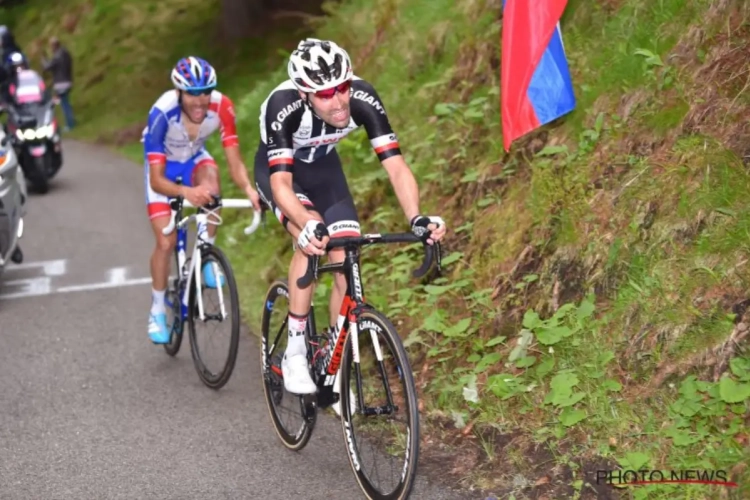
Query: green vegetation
[592,311]
[123,52]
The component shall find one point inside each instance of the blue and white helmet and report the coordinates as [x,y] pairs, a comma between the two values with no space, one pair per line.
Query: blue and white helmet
[193,73]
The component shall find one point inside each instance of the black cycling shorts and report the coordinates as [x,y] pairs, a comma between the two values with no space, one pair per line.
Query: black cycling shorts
[320,186]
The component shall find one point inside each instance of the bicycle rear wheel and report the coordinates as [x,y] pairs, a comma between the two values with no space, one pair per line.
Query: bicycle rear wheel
[214,256]
[292,417]
[385,398]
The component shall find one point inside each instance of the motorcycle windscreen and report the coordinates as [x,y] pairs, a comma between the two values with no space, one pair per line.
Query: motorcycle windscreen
[33,115]
[28,94]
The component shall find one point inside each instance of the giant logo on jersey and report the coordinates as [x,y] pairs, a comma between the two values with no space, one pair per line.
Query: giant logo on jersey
[281,116]
[364,96]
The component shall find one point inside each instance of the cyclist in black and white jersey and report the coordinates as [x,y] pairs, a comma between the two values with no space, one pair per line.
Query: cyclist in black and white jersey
[299,175]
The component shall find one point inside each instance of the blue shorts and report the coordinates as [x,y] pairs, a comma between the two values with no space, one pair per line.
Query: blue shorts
[158,204]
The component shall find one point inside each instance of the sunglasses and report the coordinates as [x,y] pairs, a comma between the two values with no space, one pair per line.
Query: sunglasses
[329,93]
[197,92]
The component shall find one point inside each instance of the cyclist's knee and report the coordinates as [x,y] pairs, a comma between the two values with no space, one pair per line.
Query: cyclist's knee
[165,244]
[212,185]
[207,175]
[339,283]
[336,255]
[339,280]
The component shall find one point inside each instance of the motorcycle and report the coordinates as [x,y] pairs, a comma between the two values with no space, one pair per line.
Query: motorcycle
[13,196]
[36,140]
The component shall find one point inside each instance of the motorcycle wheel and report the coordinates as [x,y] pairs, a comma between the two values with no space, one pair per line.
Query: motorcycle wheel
[40,180]
[55,163]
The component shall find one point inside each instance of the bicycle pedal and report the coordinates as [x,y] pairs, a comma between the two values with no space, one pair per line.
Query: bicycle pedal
[309,407]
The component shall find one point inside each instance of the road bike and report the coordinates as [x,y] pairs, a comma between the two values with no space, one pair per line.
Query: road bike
[348,375]
[184,304]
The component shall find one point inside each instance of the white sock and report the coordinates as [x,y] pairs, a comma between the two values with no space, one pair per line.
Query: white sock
[157,301]
[296,342]
[211,239]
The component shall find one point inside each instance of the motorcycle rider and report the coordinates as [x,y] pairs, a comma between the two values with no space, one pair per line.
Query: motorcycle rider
[8,43]
[25,85]
[8,46]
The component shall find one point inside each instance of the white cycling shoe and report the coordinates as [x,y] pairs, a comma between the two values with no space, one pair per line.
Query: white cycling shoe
[297,379]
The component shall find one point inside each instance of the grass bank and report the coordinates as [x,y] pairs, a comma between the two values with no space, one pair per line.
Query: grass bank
[593,310]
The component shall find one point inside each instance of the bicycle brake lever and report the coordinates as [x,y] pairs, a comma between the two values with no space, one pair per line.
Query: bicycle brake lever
[438,256]
[311,273]
[426,262]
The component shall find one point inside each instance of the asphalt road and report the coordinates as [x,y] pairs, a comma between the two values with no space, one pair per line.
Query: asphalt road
[90,409]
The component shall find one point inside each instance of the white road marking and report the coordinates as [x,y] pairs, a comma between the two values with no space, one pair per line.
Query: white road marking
[31,287]
[42,285]
[56,267]
[100,286]
[117,275]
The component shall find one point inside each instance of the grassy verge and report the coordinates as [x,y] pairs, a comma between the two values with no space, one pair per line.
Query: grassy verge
[592,313]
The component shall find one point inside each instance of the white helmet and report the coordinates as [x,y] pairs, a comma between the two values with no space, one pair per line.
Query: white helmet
[318,65]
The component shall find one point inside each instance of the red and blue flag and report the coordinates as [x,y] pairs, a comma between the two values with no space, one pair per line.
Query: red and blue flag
[535,79]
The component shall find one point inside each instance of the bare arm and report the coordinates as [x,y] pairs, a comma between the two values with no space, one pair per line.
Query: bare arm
[237,168]
[238,173]
[404,184]
[283,193]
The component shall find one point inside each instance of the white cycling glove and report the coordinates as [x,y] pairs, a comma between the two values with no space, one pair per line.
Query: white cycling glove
[419,225]
[312,229]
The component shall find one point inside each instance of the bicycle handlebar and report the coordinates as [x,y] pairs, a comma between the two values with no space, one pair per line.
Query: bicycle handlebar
[430,252]
[178,202]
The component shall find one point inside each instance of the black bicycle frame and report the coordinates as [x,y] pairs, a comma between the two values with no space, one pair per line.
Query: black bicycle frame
[352,305]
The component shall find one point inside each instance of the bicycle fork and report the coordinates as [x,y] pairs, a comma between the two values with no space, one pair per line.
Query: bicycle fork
[196,265]
[346,324]
[182,274]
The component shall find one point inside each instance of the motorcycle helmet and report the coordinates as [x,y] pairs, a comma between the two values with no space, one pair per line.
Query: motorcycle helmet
[17,61]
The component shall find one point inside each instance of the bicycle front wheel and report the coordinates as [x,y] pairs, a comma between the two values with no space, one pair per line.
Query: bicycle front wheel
[293,419]
[379,414]
[221,307]
[173,301]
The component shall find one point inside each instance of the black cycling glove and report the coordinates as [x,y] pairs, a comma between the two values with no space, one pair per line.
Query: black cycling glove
[419,226]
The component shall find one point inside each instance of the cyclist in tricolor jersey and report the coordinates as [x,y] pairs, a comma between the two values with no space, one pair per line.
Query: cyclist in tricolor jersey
[298,174]
[179,124]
